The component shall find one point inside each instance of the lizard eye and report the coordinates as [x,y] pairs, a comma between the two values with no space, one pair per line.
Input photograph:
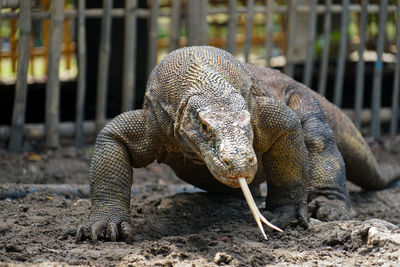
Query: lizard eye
[204,127]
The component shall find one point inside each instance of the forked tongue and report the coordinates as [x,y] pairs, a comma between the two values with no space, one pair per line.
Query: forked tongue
[252,205]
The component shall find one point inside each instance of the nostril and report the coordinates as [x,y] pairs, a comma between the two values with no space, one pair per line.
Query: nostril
[227,162]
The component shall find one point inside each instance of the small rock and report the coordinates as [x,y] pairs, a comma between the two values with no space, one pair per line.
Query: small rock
[196,242]
[33,169]
[23,208]
[314,221]
[165,203]
[379,238]
[222,258]
[33,156]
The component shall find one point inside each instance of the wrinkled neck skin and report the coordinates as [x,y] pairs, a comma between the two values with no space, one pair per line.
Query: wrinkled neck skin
[215,130]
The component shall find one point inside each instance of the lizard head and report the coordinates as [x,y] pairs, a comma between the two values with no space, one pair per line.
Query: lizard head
[220,136]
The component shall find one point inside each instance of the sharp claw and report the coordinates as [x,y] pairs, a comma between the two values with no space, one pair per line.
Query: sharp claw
[126,230]
[79,234]
[113,231]
[94,235]
[253,208]
[96,230]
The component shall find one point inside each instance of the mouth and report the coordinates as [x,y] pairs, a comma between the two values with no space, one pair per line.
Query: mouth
[233,181]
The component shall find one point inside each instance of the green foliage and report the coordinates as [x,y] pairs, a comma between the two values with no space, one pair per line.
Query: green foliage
[373,26]
[5,28]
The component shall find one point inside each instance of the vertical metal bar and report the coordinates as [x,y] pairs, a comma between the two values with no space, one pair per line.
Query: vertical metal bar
[232,25]
[338,93]
[269,31]
[359,94]
[81,90]
[21,87]
[175,25]
[307,75]
[325,52]
[1,7]
[128,80]
[103,68]
[290,38]
[53,83]
[203,24]
[377,83]
[153,35]
[192,22]
[396,82]
[249,29]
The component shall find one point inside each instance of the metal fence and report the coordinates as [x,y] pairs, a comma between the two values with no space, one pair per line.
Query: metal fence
[289,33]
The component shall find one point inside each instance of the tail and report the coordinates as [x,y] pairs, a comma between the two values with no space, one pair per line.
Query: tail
[361,165]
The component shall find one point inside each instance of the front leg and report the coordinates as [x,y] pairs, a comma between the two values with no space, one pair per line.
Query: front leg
[329,199]
[278,135]
[126,141]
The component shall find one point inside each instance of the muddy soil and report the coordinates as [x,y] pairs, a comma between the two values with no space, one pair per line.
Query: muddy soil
[179,225]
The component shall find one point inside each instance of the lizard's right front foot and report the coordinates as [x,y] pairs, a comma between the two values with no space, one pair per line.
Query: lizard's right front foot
[105,226]
[288,215]
[329,209]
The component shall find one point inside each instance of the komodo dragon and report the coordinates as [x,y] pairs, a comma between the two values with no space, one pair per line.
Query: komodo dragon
[219,123]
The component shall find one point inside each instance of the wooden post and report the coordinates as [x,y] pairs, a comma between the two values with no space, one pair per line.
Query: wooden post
[359,93]
[249,29]
[21,87]
[377,83]
[291,38]
[338,93]
[153,36]
[325,52]
[396,81]
[104,61]
[308,70]
[175,25]
[128,82]
[269,31]
[81,90]
[232,25]
[53,83]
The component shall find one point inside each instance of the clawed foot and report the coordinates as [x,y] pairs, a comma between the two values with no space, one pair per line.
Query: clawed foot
[287,215]
[326,209]
[105,227]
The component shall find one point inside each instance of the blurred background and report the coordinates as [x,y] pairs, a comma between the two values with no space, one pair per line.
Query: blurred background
[68,66]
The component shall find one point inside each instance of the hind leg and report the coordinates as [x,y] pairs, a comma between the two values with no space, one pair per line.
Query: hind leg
[328,196]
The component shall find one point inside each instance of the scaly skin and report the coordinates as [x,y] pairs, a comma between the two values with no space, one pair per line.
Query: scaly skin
[213,119]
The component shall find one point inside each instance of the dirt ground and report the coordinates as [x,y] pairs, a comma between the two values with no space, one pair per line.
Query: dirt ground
[44,196]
